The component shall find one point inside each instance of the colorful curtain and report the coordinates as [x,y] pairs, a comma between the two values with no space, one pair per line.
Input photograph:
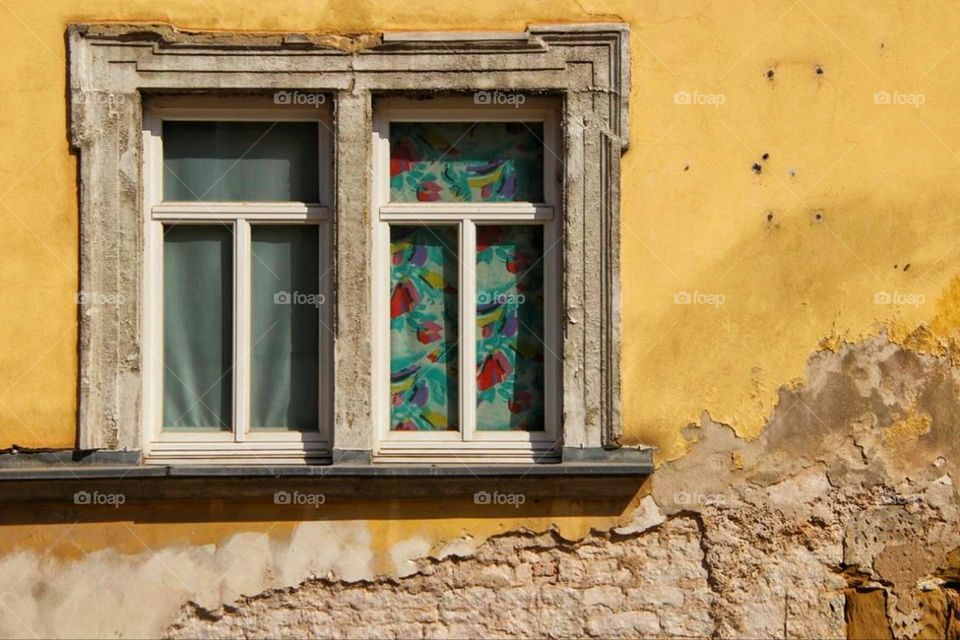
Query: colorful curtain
[466,161]
[510,349]
[423,328]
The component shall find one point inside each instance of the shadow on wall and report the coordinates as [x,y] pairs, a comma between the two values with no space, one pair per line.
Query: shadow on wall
[166,500]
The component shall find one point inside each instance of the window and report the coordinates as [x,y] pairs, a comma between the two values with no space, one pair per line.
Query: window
[236,281]
[467,248]
[470,221]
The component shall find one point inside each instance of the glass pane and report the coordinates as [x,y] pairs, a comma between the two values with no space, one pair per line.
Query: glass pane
[510,348]
[197,326]
[285,343]
[423,328]
[232,161]
[466,161]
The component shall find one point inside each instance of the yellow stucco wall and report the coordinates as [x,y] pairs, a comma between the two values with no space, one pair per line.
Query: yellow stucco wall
[854,199]
[696,217]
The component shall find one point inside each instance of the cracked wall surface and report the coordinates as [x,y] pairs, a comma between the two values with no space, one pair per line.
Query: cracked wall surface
[513,585]
[813,496]
[838,521]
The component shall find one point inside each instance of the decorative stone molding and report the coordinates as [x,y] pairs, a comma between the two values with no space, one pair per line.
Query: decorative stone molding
[113,67]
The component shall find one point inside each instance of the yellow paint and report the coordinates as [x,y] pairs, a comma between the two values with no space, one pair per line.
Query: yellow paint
[137,528]
[791,258]
[905,432]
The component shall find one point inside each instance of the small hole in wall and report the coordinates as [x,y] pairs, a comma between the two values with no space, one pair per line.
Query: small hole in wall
[765,156]
[819,70]
[770,74]
[756,168]
[769,217]
[906,266]
[686,167]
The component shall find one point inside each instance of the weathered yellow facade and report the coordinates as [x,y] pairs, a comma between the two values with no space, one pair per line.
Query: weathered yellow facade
[792,167]
[696,217]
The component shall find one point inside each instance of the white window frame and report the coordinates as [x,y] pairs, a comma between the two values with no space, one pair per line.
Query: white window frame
[240,445]
[467,445]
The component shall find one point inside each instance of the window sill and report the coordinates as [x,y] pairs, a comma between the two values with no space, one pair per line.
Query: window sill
[56,475]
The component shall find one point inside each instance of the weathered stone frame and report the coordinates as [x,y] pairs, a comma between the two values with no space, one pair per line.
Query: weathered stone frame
[113,66]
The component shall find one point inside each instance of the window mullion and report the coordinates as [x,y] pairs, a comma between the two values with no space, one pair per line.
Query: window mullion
[241,314]
[468,327]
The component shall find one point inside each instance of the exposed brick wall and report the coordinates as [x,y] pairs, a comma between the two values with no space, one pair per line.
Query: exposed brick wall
[515,585]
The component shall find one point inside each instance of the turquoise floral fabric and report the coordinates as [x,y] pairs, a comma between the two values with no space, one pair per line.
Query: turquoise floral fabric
[423,328]
[510,351]
[466,161]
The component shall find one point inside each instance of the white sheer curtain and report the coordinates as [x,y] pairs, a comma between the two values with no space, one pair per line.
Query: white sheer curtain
[285,309]
[197,326]
[234,162]
[237,161]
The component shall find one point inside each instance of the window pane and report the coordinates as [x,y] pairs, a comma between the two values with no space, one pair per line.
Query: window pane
[510,348]
[423,328]
[197,326]
[231,161]
[285,311]
[466,161]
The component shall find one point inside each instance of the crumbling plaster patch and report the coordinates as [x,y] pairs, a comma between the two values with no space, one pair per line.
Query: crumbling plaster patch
[783,536]
[789,532]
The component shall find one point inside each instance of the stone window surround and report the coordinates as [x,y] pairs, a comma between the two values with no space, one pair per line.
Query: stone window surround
[112,67]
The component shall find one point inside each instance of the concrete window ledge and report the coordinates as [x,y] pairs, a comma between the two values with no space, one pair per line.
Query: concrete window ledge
[57,475]
[60,476]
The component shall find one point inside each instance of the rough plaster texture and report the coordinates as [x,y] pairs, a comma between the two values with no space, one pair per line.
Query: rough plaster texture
[841,520]
[515,585]
[112,66]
